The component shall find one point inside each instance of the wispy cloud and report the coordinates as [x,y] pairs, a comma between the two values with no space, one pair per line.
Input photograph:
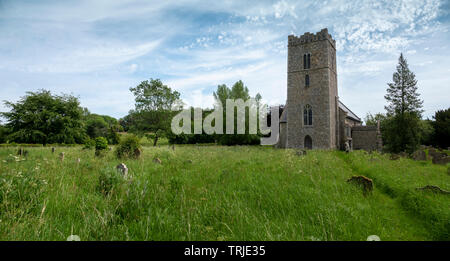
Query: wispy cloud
[98,49]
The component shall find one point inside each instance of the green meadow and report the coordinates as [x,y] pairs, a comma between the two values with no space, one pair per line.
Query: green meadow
[219,193]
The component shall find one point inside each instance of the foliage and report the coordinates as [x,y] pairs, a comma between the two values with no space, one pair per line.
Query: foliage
[3,134]
[154,96]
[102,126]
[40,117]
[237,91]
[403,109]
[113,137]
[153,109]
[89,143]
[127,147]
[441,124]
[372,120]
[101,143]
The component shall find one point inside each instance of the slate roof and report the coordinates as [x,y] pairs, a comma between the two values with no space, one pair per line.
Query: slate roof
[350,114]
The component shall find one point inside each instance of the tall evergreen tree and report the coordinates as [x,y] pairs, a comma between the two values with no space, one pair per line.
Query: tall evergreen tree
[404,110]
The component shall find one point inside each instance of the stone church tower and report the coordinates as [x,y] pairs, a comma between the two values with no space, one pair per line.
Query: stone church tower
[314,117]
[312,96]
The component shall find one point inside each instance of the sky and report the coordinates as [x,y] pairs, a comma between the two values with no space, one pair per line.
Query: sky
[97,50]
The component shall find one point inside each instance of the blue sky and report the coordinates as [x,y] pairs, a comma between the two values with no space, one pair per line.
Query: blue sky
[97,50]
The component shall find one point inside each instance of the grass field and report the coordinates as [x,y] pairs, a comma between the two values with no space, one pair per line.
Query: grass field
[219,193]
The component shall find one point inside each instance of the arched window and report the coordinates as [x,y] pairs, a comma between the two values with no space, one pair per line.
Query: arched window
[307,80]
[307,115]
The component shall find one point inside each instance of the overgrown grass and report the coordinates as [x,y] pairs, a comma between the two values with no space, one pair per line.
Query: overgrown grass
[218,193]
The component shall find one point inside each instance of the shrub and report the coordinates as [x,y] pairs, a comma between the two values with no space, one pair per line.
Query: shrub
[101,144]
[89,144]
[129,147]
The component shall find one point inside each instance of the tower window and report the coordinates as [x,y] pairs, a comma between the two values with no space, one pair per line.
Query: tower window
[307,115]
[307,80]
[309,61]
[306,61]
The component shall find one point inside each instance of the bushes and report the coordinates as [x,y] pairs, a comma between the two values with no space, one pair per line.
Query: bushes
[101,144]
[129,147]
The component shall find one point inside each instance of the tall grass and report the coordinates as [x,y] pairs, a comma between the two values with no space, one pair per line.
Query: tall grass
[215,193]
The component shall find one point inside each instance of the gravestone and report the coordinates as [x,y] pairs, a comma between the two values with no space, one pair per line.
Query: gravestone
[419,155]
[122,168]
[157,160]
[61,156]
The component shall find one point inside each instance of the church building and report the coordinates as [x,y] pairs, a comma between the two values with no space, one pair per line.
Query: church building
[313,117]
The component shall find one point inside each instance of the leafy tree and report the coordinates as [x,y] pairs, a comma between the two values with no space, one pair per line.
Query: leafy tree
[404,110]
[441,124]
[153,104]
[40,117]
[237,91]
[372,120]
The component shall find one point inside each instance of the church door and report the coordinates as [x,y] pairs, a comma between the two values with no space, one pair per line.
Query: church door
[308,142]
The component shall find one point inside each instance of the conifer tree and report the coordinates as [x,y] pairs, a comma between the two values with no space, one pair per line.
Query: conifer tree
[404,110]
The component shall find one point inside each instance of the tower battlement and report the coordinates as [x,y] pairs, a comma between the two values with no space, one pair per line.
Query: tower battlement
[309,37]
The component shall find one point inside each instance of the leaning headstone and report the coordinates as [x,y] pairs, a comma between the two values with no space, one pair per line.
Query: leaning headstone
[419,155]
[61,156]
[157,160]
[122,168]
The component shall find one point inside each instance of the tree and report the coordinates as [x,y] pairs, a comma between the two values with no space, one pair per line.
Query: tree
[372,120]
[153,104]
[404,110]
[237,91]
[441,125]
[40,117]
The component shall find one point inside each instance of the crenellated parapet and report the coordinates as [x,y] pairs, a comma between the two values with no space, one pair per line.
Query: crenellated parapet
[309,37]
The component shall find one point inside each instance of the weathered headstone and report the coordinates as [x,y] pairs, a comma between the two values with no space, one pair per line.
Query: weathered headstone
[347,147]
[441,159]
[78,161]
[20,152]
[419,155]
[61,156]
[173,147]
[122,168]
[366,183]
[53,149]
[157,160]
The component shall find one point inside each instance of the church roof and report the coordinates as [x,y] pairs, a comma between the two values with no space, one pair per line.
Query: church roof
[350,114]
